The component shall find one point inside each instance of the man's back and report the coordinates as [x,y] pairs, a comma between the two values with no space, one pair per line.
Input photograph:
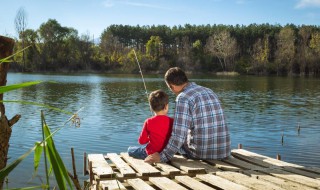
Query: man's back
[199,109]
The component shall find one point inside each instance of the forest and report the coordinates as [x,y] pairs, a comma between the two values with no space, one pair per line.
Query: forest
[255,49]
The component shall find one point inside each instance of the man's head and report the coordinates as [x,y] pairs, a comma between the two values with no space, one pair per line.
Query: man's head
[176,76]
[158,100]
[176,79]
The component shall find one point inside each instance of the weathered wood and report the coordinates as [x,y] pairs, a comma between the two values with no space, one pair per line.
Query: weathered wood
[111,185]
[314,183]
[142,167]
[192,166]
[240,172]
[122,166]
[286,184]
[273,163]
[220,182]
[139,184]
[6,49]
[165,183]
[192,183]
[223,165]
[241,164]
[168,168]
[247,181]
[100,167]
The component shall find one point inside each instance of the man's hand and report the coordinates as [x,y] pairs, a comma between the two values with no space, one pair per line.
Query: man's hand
[153,158]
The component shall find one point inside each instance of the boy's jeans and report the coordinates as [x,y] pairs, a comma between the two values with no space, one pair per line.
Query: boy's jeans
[137,152]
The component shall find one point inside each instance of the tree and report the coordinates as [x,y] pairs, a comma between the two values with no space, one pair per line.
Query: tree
[21,25]
[224,47]
[304,53]
[315,47]
[285,52]
[54,38]
[153,47]
[111,48]
[260,54]
[32,54]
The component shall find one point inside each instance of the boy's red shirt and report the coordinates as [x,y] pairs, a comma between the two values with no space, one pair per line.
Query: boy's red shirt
[156,132]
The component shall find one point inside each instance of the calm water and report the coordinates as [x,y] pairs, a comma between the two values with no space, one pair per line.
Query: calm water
[259,111]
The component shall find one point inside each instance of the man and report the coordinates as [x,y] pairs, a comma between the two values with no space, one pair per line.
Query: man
[199,128]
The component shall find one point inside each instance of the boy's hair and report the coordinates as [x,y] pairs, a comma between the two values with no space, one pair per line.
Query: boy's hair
[158,100]
[175,76]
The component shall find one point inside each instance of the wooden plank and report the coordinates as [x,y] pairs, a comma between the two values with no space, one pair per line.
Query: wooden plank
[111,185]
[100,166]
[165,183]
[223,165]
[272,163]
[192,166]
[140,166]
[312,169]
[220,182]
[192,183]
[168,168]
[286,184]
[122,166]
[241,164]
[139,184]
[247,181]
[314,183]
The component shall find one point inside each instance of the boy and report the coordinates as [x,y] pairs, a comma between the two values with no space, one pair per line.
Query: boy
[157,129]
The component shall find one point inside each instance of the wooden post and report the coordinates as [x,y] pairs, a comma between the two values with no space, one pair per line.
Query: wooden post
[84,163]
[74,165]
[6,50]
[239,146]
[278,157]
[91,173]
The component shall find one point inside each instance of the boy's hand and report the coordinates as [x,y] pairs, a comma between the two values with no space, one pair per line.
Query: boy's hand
[153,158]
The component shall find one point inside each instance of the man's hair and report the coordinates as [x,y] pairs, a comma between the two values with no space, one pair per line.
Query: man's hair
[158,100]
[175,76]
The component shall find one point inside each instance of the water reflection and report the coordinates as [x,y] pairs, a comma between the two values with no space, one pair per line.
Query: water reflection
[259,110]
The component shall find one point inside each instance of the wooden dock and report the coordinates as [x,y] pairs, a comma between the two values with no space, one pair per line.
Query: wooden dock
[243,170]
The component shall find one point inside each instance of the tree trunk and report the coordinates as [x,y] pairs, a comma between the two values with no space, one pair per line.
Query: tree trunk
[6,49]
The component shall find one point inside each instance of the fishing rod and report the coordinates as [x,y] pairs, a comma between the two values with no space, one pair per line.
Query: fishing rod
[145,87]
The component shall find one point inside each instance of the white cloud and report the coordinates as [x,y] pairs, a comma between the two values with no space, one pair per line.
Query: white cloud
[307,3]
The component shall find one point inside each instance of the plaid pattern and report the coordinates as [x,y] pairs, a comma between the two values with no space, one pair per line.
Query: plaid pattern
[199,127]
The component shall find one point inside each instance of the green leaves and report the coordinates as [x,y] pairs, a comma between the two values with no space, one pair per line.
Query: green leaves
[17,86]
[59,169]
[7,59]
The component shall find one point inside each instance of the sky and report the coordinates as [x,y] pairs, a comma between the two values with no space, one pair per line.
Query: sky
[92,17]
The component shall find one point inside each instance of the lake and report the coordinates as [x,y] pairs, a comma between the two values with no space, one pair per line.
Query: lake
[259,110]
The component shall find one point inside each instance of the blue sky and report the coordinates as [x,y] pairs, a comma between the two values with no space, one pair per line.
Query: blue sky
[93,16]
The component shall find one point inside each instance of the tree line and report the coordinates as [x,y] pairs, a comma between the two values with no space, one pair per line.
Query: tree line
[260,49]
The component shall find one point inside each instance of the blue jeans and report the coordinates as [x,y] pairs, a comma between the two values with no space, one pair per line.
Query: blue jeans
[137,152]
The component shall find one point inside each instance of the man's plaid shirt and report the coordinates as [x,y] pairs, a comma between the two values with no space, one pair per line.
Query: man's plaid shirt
[199,127]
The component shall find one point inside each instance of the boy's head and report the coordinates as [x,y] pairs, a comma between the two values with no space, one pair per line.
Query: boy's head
[158,100]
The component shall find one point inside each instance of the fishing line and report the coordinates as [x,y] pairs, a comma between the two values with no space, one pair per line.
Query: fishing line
[145,87]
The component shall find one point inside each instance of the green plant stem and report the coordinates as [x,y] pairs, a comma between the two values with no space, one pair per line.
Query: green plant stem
[44,149]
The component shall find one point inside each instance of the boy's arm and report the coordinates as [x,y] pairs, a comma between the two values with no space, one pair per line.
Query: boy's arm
[144,136]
